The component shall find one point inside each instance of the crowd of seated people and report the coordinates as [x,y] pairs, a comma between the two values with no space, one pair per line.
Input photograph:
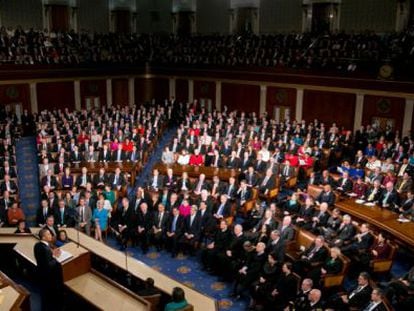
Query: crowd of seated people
[209,213]
[333,51]
[10,212]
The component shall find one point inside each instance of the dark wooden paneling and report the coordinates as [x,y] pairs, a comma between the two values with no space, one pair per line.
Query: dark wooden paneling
[383,107]
[240,97]
[55,95]
[149,89]
[15,93]
[205,89]
[181,90]
[161,89]
[120,92]
[329,107]
[93,88]
[277,96]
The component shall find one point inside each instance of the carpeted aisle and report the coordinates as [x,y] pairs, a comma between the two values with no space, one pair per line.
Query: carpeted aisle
[187,270]
[28,177]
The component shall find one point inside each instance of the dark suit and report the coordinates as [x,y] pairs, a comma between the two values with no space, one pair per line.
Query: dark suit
[100,181]
[158,183]
[12,185]
[159,222]
[79,180]
[194,228]
[50,277]
[287,233]
[277,248]
[63,218]
[53,182]
[41,217]
[118,156]
[124,218]
[346,185]
[172,241]
[144,221]
[105,157]
[389,199]
[117,181]
[329,198]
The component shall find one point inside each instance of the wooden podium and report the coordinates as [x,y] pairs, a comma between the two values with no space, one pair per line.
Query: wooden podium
[79,277]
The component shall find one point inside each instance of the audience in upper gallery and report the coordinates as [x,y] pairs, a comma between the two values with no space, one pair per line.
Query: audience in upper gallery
[337,51]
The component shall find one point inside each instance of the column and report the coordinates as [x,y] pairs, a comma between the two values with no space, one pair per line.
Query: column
[73,20]
[218,95]
[33,98]
[263,99]
[403,15]
[108,92]
[299,105]
[408,117]
[190,91]
[359,109]
[171,87]
[77,92]
[131,92]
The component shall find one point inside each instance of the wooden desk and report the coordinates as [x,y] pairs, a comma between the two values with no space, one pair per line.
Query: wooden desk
[13,296]
[94,167]
[142,271]
[9,299]
[381,218]
[194,171]
[104,295]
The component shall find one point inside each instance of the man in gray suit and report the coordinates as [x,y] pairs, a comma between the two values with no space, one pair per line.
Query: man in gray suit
[84,216]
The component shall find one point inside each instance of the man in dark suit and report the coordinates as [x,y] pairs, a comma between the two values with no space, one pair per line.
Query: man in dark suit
[5,203]
[105,154]
[159,226]
[143,227]
[117,180]
[286,230]
[230,259]
[276,246]
[100,179]
[119,154]
[207,222]
[223,209]
[174,232]
[62,215]
[231,189]
[259,164]
[357,298]
[43,212]
[377,302]
[49,272]
[390,197]
[267,183]
[344,184]
[360,243]
[83,178]
[251,177]
[156,180]
[192,230]
[315,255]
[8,185]
[124,222]
[345,232]
[326,195]
[76,155]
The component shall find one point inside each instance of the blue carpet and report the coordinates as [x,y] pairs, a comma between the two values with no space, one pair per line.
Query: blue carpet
[155,156]
[28,177]
[187,270]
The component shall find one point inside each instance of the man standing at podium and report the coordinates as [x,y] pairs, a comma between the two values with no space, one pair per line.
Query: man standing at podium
[49,272]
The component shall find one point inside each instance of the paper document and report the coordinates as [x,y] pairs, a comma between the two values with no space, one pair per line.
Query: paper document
[64,255]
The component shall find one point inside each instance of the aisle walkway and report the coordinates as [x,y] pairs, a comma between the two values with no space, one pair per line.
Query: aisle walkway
[28,177]
[155,156]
